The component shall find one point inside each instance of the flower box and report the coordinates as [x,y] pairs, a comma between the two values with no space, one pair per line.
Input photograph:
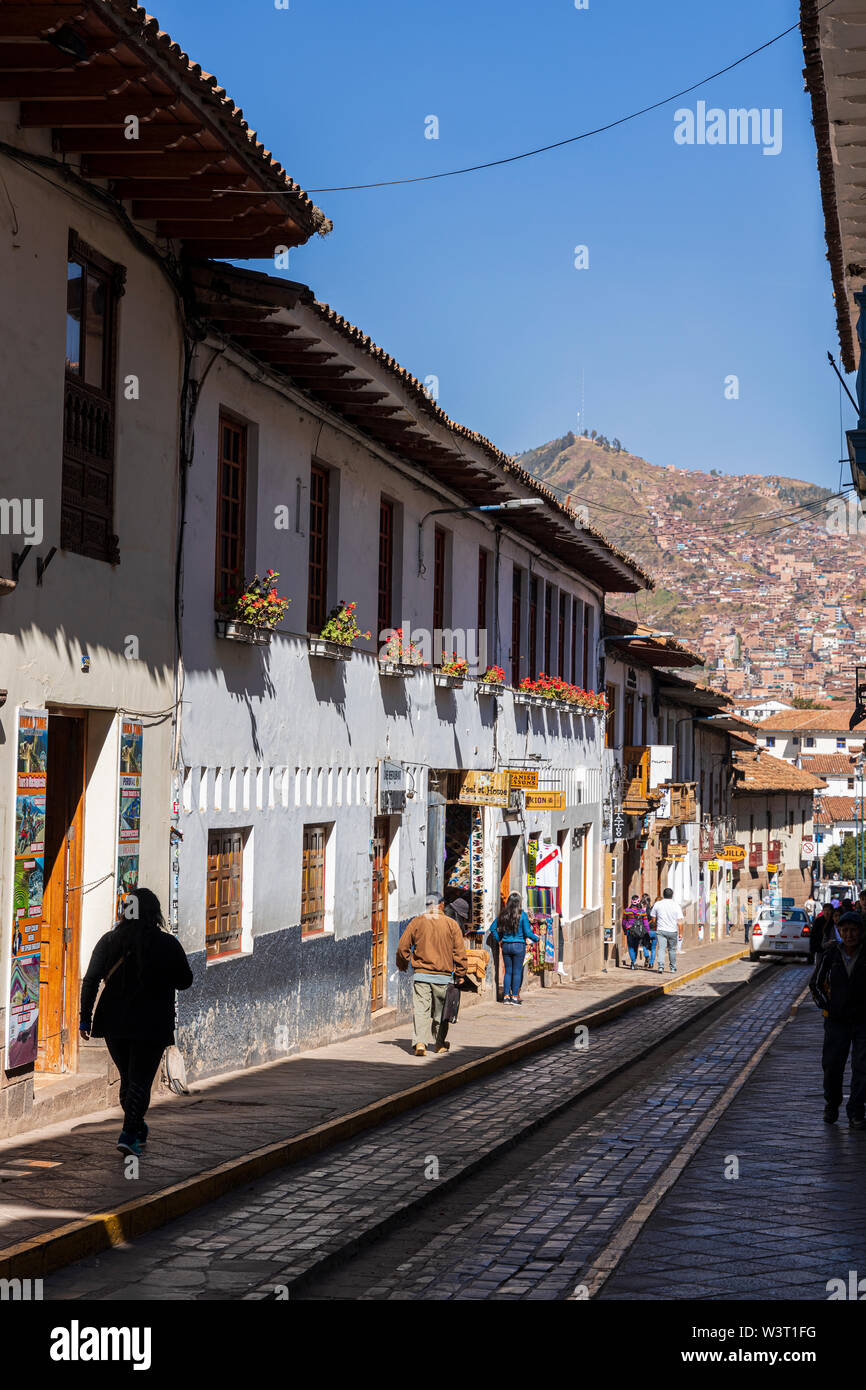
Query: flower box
[490,687]
[396,668]
[441,678]
[235,631]
[329,651]
[523,697]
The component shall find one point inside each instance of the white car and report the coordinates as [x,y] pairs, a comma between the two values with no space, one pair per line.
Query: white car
[780,931]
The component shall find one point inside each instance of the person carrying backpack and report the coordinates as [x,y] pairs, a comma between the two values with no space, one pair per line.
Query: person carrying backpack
[141,965]
[512,930]
[636,928]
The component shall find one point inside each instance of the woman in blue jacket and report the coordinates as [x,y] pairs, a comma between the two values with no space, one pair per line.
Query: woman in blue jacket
[512,930]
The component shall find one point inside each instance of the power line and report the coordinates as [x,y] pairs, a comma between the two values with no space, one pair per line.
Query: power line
[569,140]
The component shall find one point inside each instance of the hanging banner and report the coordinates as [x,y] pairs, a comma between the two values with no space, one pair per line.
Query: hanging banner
[31,766]
[129,812]
[483,789]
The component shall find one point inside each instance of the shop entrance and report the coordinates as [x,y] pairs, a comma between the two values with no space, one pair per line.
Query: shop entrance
[508,871]
[59,974]
[379,920]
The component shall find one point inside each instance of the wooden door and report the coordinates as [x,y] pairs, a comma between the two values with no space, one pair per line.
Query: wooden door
[225,854]
[59,964]
[379,916]
[506,860]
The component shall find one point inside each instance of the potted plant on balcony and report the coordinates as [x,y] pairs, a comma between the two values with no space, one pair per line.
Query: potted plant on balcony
[452,672]
[399,657]
[254,612]
[338,634]
[492,682]
[529,693]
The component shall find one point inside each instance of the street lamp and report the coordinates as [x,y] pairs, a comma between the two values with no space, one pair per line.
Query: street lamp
[517,503]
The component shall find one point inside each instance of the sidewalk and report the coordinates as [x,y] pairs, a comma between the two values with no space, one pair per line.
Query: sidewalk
[63,1190]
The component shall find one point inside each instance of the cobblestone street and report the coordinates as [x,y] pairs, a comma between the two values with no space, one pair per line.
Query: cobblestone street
[509,1189]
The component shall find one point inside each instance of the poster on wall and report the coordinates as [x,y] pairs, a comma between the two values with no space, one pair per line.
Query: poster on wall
[129,808]
[28,875]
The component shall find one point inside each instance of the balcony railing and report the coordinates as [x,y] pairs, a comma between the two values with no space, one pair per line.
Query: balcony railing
[682,808]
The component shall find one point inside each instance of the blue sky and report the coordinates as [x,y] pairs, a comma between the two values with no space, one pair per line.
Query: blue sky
[704,261]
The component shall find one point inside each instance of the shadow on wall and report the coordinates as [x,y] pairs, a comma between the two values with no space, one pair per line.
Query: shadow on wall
[288,994]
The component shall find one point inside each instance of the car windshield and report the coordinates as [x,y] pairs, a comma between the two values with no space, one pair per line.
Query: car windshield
[787,914]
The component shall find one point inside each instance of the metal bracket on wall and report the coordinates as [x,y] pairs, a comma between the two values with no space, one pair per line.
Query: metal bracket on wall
[42,565]
[18,558]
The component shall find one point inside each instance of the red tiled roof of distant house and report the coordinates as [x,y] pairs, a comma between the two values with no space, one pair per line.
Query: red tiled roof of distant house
[764,773]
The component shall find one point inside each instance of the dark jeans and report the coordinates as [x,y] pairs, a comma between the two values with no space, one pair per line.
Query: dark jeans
[839,1039]
[137,1063]
[513,953]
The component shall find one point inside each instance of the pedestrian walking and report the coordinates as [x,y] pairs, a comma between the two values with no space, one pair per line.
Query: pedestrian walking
[650,945]
[667,916]
[838,986]
[141,966]
[636,928]
[809,905]
[433,945]
[512,930]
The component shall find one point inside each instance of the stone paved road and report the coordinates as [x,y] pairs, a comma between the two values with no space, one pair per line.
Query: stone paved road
[226,1117]
[535,1235]
[795,1217]
[275,1231]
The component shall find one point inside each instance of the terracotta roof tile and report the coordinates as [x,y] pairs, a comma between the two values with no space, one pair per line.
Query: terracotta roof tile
[828,764]
[765,773]
[835,808]
[827,721]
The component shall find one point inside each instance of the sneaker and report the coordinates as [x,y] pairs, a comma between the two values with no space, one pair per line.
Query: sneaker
[128,1145]
[143,1132]
[517,1001]
[856,1122]
[831,1114]
[444,1047]
[420,1050]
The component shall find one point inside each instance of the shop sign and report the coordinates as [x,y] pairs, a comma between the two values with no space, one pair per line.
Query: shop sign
[523,778]
[484,789]
[29,874]
[129,813]
[392,788]
[544,801]
[734,853]
[713,865]
[619,826]
[677,852]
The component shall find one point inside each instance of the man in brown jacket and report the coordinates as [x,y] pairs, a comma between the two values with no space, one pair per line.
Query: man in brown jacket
[433,945]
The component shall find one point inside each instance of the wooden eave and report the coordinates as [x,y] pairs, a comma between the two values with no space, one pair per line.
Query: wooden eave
[280,323]
[194,161]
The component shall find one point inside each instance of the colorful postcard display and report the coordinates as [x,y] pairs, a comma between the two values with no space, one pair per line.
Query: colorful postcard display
[27,886]
[129,812]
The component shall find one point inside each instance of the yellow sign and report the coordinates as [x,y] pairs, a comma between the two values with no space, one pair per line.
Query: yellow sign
[713,865]
[545,801]
[677,852]
[484,789]
[733,853]
[773,868]
[523,777]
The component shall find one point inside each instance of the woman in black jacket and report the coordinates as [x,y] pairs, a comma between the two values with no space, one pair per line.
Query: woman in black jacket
[142,965]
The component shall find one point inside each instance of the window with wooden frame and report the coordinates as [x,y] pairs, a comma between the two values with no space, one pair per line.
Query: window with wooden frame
[483,558]
[439,550]
[313,880]
[628,725]
[386,566]
[533,627]
[317,566]
[516,624]
[93,287]
[560,638]
[574,644]
[225,860]
[548,624]
[231,510]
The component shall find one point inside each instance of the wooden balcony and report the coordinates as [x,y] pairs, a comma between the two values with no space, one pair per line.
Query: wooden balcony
[683,807]
[637,798]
